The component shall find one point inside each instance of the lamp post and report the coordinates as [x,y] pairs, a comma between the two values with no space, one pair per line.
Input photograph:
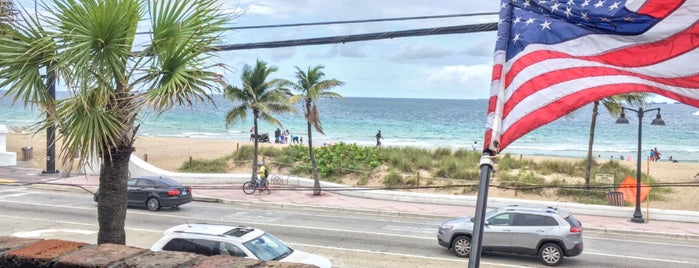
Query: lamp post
[637,215]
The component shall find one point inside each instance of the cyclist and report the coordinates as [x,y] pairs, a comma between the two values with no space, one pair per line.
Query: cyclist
[263,173]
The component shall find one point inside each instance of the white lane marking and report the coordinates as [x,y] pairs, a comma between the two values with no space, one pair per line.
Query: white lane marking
[636,258]
[402,255]
[96,226]
[14,195]
[38,233]
[642,242]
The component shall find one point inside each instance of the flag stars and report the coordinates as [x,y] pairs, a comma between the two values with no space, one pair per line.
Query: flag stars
[600,3]
[517,20]
[584,16]
[526,3]
[515,38]
[585,3]
[570,2]
[555,6]
[614,6]
[628,19]
[529,21]
[568,12]
[546,25]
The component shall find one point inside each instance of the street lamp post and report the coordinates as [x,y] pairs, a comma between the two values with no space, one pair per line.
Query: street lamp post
[637,215]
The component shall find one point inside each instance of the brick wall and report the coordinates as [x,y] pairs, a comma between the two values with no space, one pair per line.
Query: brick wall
[39,253]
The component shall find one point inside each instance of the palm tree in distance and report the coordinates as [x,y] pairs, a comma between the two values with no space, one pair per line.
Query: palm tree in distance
[613,105]
[312,88]
[264,98]
[89,44]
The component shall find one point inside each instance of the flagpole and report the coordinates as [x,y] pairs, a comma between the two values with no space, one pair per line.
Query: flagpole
[474,258]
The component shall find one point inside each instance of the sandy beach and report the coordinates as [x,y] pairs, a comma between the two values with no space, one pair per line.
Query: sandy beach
[171,153]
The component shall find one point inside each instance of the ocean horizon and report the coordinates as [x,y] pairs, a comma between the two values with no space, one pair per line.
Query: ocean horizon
[424,123]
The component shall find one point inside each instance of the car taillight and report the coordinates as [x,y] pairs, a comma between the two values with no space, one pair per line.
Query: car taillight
[174,192]
[575,229]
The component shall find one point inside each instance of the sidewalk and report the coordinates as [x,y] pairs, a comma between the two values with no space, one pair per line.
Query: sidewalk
[331,200]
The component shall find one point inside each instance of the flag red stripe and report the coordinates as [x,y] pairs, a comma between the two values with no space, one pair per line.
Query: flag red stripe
[660,8]
[551,78]
[497,72]
[574,101]
[662,50]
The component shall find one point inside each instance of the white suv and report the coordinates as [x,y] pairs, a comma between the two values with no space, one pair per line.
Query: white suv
[239,241]
[547,232]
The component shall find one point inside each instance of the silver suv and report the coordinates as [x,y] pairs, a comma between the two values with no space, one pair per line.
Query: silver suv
[547,232]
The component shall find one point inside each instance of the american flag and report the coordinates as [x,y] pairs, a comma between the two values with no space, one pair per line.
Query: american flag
[555,56]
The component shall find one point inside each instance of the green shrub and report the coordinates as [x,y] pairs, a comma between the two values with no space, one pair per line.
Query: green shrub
[407,159]
[441,152]
[205,166]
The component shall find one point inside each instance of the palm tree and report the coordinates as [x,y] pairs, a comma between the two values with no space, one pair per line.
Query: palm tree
[89,44]
[264,98]
[312,88]
[613,105]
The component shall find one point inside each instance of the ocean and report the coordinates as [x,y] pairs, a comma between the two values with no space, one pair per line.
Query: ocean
[425,123]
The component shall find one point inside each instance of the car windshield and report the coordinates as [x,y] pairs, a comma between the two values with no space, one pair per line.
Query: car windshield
[267,247]
[488,215]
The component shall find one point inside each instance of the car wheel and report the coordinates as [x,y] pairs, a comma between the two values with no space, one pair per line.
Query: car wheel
[153,204]
[551,254]
[461,246]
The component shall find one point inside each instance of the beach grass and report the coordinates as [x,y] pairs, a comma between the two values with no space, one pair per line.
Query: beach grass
[411,167]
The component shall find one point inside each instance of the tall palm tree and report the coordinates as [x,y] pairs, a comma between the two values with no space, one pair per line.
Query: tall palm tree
[264,98]
[311,88]
[613,105]
[89,44]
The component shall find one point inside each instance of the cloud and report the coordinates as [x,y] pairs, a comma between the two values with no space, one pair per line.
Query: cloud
[421,51]
[473,80]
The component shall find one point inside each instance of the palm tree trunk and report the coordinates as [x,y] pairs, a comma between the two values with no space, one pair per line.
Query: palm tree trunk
[316,180]
[111,206]
[255,150]
[591,141]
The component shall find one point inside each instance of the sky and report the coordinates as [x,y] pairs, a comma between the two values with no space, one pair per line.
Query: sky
[446,67]
[456,66]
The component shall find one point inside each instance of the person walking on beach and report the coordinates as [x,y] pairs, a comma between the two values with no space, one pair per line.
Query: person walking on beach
[277,135]
[252,133]
[378,138]
[656,154]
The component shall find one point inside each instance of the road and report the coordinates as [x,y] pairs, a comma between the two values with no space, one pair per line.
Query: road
[349,240]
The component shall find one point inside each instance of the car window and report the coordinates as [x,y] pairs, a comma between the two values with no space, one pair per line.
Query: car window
[231,250]
[550,221]
[198,246]
[131,182]
[145,183]
[504,219]
[267,247]
[573,221]
[523,219]
[169,182]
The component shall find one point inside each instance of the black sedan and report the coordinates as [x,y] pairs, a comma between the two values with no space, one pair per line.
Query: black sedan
[155,192]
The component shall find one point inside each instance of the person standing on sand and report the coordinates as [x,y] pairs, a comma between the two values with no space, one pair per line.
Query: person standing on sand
[656,154]
[378,138]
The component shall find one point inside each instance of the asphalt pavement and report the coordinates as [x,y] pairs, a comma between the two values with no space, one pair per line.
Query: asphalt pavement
[346,200]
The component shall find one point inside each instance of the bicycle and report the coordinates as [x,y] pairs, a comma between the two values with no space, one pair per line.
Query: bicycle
[279,180]
[249,187]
